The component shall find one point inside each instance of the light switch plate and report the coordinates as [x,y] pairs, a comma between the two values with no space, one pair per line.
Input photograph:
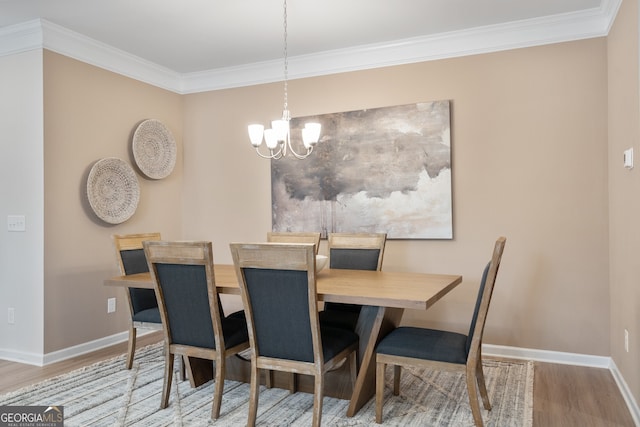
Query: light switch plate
[16,223]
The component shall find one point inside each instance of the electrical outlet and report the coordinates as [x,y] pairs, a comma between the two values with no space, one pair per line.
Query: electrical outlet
[11,316]
[626,341]
[111,305]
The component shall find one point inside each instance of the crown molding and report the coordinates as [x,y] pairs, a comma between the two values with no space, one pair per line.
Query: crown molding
[69,43]
[39,34]
[20,38]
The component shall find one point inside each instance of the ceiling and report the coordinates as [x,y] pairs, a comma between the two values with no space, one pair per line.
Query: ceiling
[195,36]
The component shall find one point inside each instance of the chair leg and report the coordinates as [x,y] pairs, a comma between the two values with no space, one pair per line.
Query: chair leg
[473,396]
[168,377]
[183,369]
[219,389]
[397,369]
[131,348]
[293,382]
[317,399]
[380,368]
[254,395]
[482,386]
[268,378]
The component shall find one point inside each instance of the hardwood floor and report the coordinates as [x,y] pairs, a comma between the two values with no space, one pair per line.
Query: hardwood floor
[564,395]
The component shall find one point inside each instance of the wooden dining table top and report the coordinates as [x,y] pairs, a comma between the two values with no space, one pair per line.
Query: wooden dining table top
[377,288]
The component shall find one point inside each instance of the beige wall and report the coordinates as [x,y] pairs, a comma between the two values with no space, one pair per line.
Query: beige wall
[89,114]
[624,199]
[529,144]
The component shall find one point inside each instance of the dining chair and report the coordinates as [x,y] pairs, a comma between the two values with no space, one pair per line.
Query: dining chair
[184,280]
[142,303]
[294,237]
[278,288]
[354,251]
[291,237]
[443,350]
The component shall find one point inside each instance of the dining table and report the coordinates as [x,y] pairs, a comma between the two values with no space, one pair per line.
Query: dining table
[384,296]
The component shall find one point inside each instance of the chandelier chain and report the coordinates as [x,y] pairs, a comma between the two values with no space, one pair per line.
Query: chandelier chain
[286,61]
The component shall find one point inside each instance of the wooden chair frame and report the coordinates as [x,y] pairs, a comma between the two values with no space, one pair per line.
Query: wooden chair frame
[358,241]
[473,368]
[191,253]
[291,237]
[282,256]
[294,237]
[125,242]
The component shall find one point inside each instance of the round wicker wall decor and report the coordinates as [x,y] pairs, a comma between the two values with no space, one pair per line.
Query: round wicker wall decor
[154,149]
[113,190]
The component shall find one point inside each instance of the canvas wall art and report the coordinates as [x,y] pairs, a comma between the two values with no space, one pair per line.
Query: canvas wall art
[376,170]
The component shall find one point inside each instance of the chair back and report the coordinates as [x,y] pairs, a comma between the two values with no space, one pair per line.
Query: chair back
[356,251]
[478,320]
[294,237]
[184,281]
[131,260]
[278,287]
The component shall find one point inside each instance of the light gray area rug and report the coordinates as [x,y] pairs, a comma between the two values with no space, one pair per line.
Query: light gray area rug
[106,394]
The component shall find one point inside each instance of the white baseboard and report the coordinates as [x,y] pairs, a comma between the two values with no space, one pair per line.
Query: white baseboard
[626,393]
[88,347]
[546,356]
[66,353]
[22,357]
[569,359]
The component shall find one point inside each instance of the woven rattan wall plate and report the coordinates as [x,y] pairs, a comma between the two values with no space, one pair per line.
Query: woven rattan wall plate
[113,190]
[154,149]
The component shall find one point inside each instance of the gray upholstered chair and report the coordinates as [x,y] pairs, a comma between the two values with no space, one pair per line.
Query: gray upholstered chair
[294,237]
[278,287]
[183,273]
[354,251]
[443,350]
[143,305]
[291,237]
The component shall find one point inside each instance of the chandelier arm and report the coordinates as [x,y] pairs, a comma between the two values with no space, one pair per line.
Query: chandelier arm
[296,155]
[273,155]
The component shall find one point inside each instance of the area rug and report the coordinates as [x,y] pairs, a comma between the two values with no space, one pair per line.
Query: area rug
[107,394]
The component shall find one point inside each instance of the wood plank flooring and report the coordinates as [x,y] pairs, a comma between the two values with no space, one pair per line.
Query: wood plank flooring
[564,395]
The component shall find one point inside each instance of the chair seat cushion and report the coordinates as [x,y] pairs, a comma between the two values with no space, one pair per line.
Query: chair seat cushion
[334,340]
[426,344]
[235,331]
[150,315]
[237,315]
[339,318]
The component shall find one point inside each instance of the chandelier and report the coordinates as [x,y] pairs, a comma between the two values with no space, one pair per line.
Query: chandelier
[278,138]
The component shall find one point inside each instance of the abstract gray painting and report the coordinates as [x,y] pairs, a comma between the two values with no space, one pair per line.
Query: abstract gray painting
[377,170]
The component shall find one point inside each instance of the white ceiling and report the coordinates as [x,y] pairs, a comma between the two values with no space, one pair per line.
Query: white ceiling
[191,37]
